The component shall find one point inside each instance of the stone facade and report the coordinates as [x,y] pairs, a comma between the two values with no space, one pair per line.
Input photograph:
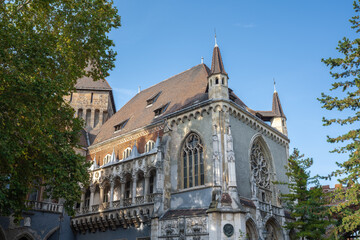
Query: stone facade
[201,167]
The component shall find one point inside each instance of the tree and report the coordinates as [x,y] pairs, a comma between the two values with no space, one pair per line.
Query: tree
[44,48]
[346,74]
[307,205]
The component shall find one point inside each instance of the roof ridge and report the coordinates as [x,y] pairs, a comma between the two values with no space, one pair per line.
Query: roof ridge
[173,76]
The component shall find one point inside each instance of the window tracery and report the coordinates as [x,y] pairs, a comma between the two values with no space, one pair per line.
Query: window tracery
[193,161]
[259,166]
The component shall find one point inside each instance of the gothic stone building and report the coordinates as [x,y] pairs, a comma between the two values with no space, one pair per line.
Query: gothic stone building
[183,159]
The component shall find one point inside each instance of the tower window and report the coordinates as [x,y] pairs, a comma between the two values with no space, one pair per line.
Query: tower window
[88,117]
[210,82]
[92,97]
[161,109]
[96,120]
[121,125]
[222,81]
[216,81]
[80,113]
[105,116]
[71,97]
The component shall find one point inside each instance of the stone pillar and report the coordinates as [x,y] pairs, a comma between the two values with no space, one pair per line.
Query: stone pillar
[100,117]
[82,200]
[122,192]
[92,118]
[101,194]
[133,195]
[146,187]
[92,191]
[112,183]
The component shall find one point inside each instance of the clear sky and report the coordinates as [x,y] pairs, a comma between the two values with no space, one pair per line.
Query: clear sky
[259,41]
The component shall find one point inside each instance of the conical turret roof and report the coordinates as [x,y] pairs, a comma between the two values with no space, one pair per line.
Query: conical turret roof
[276,106]
[217,65]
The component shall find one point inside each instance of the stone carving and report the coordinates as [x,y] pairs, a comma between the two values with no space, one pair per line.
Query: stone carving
[169,228]
[196,225]
[228,229]
[259,166]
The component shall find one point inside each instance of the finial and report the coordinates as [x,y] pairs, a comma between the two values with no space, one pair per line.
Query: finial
[274,85]
[139,89]
[202,60]
[215,37]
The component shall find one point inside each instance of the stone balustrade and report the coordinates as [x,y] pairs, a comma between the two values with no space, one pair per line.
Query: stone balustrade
[266,207]
[45,206]
[112,218]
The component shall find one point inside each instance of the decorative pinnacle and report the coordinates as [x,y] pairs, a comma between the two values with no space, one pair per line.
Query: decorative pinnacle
[215,38]
[202,60]
[274,85]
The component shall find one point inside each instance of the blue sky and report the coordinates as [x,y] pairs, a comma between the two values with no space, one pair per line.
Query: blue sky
[259,41]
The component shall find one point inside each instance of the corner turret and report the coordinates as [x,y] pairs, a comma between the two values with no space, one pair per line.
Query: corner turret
[218,78]
[279,120]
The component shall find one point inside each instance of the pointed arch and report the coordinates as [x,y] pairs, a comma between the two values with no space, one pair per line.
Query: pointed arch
[274,230]
[251,230]
[192,161]
[261,169]
[24,236]
[51,232]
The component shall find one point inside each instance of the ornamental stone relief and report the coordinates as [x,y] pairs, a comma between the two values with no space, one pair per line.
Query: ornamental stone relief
[196,225]
[182,227]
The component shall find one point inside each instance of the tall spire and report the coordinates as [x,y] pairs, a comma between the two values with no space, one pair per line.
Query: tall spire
[274,85]
[276,105]
[217,65]
[215,39]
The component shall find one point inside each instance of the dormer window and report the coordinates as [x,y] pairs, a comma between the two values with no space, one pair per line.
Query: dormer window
[121,125]
[153,99]
[161,109]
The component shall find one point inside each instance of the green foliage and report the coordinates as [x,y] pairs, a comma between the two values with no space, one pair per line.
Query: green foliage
[44,48]
[346,73]
[307,206]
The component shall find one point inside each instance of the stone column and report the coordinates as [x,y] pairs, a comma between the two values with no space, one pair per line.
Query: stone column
[101,116]
[92,191]
[92,118]
[101,194]
[122,192]
[146,187]
[133,195]
[112,183]
[82,200]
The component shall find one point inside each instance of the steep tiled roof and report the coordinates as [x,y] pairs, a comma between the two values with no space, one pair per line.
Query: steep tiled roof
[217,65]
[276,106]
[179,91]
[277,110]
[87,83]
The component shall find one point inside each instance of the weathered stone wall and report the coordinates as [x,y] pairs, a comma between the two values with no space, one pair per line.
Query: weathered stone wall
[243,135]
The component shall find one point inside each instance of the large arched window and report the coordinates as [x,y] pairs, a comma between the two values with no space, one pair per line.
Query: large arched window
[260,172]
[193,161]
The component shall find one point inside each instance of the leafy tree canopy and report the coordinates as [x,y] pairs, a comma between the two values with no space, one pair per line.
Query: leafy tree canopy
[45,45]
[307,205]
[345,71]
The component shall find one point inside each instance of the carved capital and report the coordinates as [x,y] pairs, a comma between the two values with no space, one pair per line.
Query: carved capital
[92,188]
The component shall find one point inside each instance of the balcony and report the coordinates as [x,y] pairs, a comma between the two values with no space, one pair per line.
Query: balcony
[103,217]
[45,206]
